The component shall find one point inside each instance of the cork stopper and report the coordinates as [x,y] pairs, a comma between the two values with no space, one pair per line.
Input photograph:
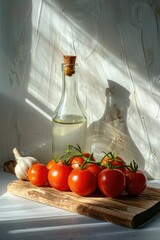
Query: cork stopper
[70,65]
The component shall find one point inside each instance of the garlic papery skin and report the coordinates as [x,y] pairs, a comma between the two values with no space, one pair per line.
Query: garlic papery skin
[23,164]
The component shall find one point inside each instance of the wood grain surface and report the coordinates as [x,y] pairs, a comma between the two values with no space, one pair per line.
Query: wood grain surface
[125,210]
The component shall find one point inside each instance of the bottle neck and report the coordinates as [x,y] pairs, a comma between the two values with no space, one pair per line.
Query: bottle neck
[69,93]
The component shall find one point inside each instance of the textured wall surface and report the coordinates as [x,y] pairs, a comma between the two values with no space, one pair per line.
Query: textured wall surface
[117,43]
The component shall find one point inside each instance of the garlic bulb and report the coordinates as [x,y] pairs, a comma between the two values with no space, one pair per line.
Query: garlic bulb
[23,164]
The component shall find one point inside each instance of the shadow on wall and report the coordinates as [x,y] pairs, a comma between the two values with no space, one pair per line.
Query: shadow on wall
[21,126]
[110,132]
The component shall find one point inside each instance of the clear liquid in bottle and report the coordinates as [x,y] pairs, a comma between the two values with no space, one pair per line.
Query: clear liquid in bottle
[68,132]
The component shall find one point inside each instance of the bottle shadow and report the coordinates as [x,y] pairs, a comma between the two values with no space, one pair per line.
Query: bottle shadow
[110,132]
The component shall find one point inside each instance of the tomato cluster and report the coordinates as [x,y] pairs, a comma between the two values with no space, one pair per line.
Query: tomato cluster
[80,173]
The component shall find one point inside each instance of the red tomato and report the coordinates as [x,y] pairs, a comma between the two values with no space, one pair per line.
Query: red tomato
[38,174]
[82,182]
[94,168]
[135,182]
[88,155]
[51,163]
[58,176]
[111,182]
[76,162]
[116,161]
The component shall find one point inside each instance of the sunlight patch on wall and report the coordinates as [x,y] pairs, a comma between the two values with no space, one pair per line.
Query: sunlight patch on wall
[38,109]
[55,32]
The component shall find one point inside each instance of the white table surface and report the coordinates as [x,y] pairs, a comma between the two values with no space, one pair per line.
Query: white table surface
[26,220]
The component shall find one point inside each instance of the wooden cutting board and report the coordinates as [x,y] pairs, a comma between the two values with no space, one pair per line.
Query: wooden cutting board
[125,210]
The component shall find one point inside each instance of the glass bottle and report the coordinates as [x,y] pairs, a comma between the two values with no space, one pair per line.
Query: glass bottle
[69,122]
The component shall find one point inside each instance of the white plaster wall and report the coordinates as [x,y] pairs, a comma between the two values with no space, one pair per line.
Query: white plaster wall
[116,40]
